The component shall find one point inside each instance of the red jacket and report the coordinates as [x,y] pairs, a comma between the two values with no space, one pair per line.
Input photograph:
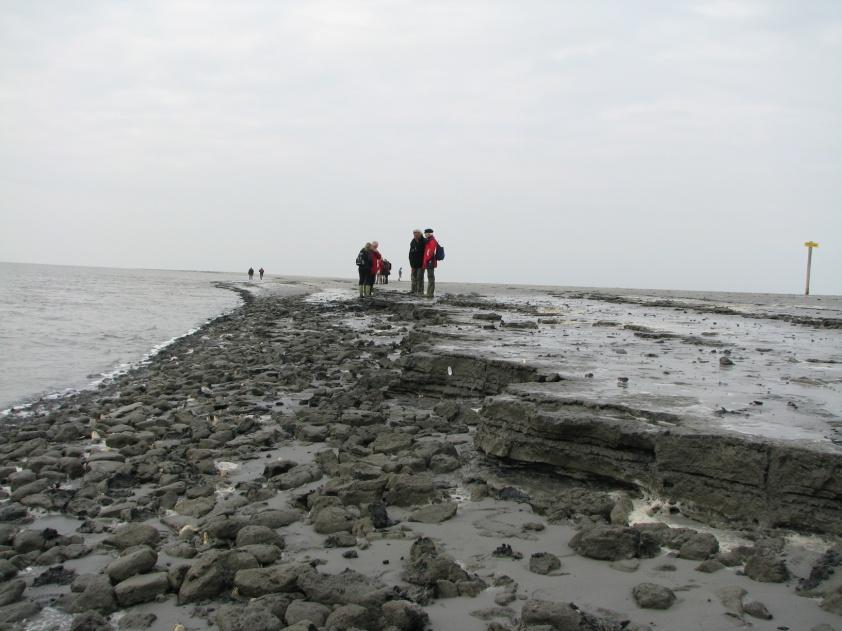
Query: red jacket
[430,254]
[376,262]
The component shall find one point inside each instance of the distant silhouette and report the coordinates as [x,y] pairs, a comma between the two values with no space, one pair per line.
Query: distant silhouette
[251,273]
[260,271]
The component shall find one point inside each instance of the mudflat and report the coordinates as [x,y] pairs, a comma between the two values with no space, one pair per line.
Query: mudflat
[496,458]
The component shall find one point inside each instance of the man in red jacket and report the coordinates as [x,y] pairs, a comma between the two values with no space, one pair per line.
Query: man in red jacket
[430,261]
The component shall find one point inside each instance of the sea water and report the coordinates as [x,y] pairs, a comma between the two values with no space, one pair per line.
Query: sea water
[64,328]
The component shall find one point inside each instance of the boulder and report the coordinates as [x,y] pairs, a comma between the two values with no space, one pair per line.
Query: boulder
[406,490]
[131,535]
[238,618]
[136,560]
[142,588]
[332,519]
[251,535]
[11,591]
[212,573]
[348,587]
[555,616]
[766,567]
[254,582]
[699,547]
[90,621]
[652,596]
[299,610]
[607,543]
[404,615]
[434,513]
[544,563]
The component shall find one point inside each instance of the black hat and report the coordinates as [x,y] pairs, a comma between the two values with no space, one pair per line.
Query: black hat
[428,230]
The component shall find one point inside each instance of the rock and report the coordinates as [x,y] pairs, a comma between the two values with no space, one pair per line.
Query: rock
[250,535]
[833,603]
[341,540]
[607,543]
[404,615]
[346,617]
[137,620]
[237,618]
[29,541]
[766,567]
[7,570]
[11,591]
[434,513]
[652,596]
[332,519]
[391,442]
[212,573]
[731,598]
[346,588]
[757,610]
[270,580]
[379,516]
[427,565]
[740,479]
[710,566]
[264,553]
[55,575]
[299,610]
[90,621]
[132,561]
[131,535]
[18,612]
[275,518]
[622,509]
[699,547]
[555,616]
[446,589]
[626,565]
[444,463]
[304,625]
[544,563]
[142,588]
[195,507]
[89,591]
[406,490]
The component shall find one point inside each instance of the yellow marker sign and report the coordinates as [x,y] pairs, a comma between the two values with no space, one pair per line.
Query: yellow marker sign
[811,244]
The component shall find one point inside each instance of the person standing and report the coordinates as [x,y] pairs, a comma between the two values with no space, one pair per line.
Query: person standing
[251,273]
[364,261]
[260,271]
[430,262]
[376,265]
[400,273]
[387,269]
[416,260]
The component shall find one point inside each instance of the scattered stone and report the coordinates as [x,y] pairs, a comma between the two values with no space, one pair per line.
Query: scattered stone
[766,567]
[136,560]
[90,621]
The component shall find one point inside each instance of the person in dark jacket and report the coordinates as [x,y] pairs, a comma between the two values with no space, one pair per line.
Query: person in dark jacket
[251,273]
[430,262]
[416,260]
[364,266]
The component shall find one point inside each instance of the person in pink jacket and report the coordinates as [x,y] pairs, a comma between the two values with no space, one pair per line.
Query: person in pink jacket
[430,262]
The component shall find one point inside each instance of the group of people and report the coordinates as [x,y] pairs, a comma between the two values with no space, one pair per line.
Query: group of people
[251,273]
[425,252]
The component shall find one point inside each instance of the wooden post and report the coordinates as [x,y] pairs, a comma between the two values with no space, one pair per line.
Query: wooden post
[810,245]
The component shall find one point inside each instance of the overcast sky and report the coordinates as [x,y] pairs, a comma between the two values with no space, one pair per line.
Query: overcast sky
[667,144]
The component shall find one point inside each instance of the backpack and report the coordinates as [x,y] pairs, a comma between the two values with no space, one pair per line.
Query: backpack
[362,259]
[439,252]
